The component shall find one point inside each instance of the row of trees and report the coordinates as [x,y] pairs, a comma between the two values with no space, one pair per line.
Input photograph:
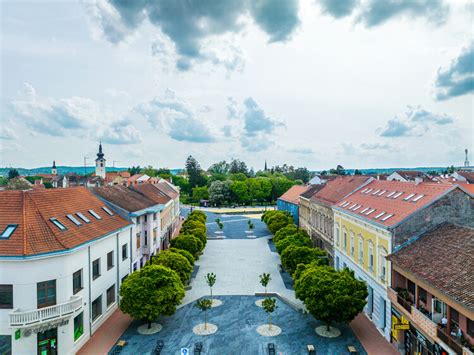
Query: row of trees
[329,295]
[158,288]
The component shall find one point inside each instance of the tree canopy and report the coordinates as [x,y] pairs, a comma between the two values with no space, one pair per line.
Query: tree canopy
[175,262]
[299,240]
[329,295]
[189,243]
[294,255]
[152,291]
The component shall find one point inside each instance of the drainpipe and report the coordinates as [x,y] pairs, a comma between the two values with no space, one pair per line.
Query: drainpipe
[90,290]
[118,270]
[131,250]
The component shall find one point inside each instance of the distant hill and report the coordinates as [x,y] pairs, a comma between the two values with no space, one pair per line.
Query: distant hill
[391,170]
[65,170]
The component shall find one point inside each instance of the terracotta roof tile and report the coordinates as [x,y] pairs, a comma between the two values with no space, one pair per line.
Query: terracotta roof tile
[124,197]
[396,199]
[312,189]
[468,175]
[338,188]
[152,192]
[36,234]
[293,194]
[444,259]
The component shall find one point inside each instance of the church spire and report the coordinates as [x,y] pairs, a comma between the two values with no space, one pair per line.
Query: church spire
[100,155]
[54,170]
[266,168]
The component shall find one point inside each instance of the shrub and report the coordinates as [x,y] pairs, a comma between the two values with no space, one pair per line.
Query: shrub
[184,253]
[285,232]
[297,240]
[198,215]
[279,221]
[188,243]
[176,262]
[267,214]
[294,255]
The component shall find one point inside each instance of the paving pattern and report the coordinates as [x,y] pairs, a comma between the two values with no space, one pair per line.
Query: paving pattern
[238,261]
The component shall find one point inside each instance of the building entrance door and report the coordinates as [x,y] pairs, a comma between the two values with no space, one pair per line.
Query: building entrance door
[48,342]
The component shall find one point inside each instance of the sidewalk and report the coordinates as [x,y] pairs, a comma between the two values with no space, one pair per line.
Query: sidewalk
[370,338]
[107,335]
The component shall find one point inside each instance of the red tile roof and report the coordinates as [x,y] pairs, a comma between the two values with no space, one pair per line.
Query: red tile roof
[396,199]
[169,189]
[338,188]
[312,189]
[134,178]
[293,194]
[36,234]
[468,175]
[444,259]
[124,197]
[152,192]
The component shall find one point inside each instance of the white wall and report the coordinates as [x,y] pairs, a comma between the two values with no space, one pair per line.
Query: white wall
[25,274]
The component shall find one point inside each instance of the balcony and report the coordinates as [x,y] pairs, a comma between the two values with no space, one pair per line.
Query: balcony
[20,318]
[395,297]
[449,340]
[146,249]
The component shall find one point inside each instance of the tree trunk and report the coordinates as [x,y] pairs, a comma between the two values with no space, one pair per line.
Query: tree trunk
[328,327]
[205,320]
[149,324]
[211,295]
[269,321]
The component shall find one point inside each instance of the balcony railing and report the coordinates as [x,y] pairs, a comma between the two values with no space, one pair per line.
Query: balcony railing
[404,303]
[449,340]
[19,318]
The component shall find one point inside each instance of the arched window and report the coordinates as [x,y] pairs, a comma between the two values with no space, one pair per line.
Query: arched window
[361,249]
[382,263]
[338,235]
[352,244]
[371,256]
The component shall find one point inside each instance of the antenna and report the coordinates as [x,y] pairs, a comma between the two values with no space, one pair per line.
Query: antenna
[85,165]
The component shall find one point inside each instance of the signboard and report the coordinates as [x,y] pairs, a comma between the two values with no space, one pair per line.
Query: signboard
[184,351]
[17,334]
[401,326]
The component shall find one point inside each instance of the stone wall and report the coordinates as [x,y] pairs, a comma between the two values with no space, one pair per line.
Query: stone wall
[455,207]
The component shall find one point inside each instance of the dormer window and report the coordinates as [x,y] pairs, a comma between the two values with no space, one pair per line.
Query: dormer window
[8,231]
[390,194]
[370,211]
[92,212]
[58,224]
[375,192]
[379,215]
[408,197]
[398,194]
[365,209]
[73,219]
[84,218]
[387,217]
[417,198]
[381,192]
[109,212]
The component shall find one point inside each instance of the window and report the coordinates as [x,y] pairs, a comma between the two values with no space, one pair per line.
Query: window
[355,209]
[110,260]
[365,209]
[470,327]
[92,212]
[95,269]
[146,238]
[345,241]
[46,293]
[343,202]
[78,326]
[382,266]
[387,217]
[338,235]
[355,204]
[417,198]
[77,281]
[379,215]
[368,191]
[8,231]
[145,218]
[381,192]
[74,220]
[138,219]
[110,295]
[371,257]
[96,308]
[6,296]
[397,195]
[390,194]
[370,211]
[375,192]
[58,224]
[124,251]
[352,244]
[138,240]
[361,250]
[109,212]
[408,197]
[364,190]
[84,218]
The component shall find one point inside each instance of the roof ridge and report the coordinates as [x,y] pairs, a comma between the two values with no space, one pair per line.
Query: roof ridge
[47,224]
[24,220]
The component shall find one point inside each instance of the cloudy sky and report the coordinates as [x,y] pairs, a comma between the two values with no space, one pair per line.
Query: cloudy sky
[362,83]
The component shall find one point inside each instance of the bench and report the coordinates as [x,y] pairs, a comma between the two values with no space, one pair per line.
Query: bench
[158,347]
[352,350]
[197,348]
[271,349]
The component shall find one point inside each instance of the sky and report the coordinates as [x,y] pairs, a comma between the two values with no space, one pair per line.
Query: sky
[315,83]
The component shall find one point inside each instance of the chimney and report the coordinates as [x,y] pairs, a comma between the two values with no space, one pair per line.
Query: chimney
[418,179]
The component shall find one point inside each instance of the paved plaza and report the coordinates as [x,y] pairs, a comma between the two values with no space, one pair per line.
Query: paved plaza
[238,261]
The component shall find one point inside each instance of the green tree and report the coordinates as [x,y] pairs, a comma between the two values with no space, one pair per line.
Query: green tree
[238,177]
[279,221]
[210,280]
[3,181]
[260,188]
[188,243]
[269,305]
[279,186]
[184,253]
[220,168]
[200,193]
[294,255]
[302,174]
[134,170]
[12,174]
[176,262]
[18,184]
[357,172]
[239,192]
[196,228]
[219,192]
[182,183]
[265,279]
[194,171]
[150,171]
[329,295]
[199,215]
[236,166]
[204,305]
[284,232]
[298,240]
[151,292]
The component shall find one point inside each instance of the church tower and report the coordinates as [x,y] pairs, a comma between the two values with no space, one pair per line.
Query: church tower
[265,168]
[100,163]
[54,171]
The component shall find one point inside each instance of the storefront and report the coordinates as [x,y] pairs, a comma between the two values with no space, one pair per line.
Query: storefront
[409,340]
[48,342]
